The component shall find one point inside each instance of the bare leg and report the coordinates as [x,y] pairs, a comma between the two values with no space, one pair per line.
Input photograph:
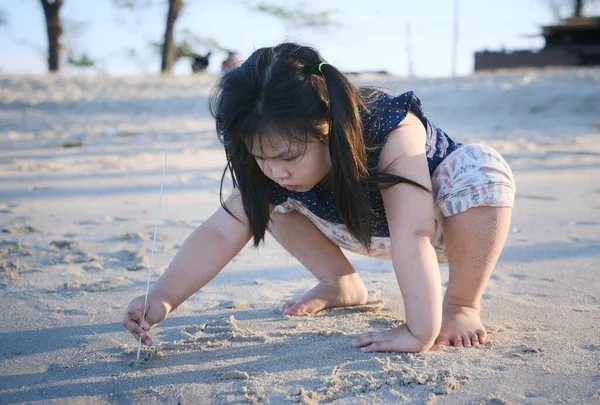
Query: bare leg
[339,284]
[474,240]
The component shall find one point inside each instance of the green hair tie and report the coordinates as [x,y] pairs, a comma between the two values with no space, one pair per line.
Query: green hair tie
[320,65]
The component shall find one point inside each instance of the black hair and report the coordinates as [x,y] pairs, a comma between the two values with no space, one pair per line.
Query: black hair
[280,90]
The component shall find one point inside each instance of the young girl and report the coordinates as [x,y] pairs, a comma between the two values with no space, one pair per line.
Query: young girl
[322,164]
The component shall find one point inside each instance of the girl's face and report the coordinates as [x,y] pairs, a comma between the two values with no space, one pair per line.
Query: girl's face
[297,167]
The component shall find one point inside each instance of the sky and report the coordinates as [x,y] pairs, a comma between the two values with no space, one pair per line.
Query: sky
[368,35]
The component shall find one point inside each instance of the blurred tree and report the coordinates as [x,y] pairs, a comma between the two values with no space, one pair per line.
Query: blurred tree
[294,18]
[167,47]
[171,50]
[188,45]
[82,60]
[69,47]
[54,30]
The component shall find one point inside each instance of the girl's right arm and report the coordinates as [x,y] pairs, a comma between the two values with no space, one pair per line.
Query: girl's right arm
[203,255]
[205,252]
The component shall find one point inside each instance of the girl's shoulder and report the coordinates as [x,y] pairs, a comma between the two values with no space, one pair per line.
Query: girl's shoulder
[384,112]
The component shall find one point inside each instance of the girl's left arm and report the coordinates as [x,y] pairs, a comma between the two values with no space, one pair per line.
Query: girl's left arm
[411,221]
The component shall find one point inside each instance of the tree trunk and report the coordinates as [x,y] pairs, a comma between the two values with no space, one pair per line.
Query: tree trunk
[578,11]
[168,49]
[54,29]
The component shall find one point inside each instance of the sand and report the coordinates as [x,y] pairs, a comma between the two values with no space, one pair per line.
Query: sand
[80,165]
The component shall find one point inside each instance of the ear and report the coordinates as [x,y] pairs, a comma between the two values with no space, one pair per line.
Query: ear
[325,131]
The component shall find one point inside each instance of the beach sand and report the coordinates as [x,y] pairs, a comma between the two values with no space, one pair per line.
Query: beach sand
[80,167]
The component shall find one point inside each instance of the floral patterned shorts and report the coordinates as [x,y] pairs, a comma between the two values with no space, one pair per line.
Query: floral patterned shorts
[471,176]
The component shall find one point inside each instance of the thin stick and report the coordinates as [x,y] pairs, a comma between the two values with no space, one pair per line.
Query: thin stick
[162,182]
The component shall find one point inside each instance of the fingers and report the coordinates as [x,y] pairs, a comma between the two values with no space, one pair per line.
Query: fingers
[137,332]
[364,340]
[134,328]
[367,339]
[374,342]
[133,322]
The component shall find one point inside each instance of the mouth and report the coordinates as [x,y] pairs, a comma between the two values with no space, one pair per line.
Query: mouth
[291,187]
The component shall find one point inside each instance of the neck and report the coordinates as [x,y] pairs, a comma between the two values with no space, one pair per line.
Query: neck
[327,181]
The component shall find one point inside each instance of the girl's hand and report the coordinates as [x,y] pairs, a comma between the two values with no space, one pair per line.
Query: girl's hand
[157,309]
[398,339]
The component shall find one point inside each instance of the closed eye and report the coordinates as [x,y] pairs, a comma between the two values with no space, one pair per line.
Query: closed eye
[286,159]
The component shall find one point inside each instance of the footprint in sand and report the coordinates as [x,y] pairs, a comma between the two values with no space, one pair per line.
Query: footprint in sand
[92,267]
[525,351]
[104,285]
[11,265]
[493,400]
[133,237]
[7,207]
[19,228]
[14,249]
[73,251]
[133,260]
[9,270]
[142,237]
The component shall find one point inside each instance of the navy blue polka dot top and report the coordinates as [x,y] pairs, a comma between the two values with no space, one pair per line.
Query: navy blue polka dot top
[385,114]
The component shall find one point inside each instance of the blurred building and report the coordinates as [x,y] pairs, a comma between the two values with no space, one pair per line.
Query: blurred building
[575,42]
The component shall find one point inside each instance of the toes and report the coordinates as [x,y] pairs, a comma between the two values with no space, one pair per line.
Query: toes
[466,340]
[482,335]
[443,340]
[289,310]
[288,306]
[295,309]
[461,340]
[456,341]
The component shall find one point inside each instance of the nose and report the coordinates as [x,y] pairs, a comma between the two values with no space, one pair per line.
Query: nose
[279,172]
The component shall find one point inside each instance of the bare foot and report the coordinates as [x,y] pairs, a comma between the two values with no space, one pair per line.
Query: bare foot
[344,291]
[461,327]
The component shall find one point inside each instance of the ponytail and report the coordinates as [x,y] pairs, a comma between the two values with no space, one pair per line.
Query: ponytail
[348,153]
